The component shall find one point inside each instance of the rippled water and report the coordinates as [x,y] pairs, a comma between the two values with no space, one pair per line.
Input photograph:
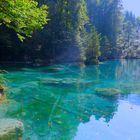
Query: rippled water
[70,102]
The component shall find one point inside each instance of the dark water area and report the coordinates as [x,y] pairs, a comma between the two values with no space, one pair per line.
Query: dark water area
[71,102]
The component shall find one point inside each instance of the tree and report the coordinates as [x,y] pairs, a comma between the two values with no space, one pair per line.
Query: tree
[76,28]
[138,21]
[105,15]
[128,39]
[93,48]
[64,32]
[82,20]
[23,16]
[105,48]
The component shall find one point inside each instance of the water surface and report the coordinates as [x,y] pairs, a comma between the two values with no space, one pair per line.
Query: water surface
[71,102]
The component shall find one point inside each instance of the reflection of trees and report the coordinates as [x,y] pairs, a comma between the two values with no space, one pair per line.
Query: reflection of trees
[128,70]
[59,116]
[54,111]
[64,109]
[128,75]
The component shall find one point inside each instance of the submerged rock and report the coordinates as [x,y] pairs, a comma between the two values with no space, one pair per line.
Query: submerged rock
[66,82]
[58,80]
[107,92]
[10,129]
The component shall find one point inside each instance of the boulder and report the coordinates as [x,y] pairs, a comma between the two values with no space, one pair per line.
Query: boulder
[10,129]
[58,80]
[107,92]
[65,82]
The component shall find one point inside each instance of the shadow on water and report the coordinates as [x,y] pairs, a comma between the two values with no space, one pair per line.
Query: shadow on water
[52,105]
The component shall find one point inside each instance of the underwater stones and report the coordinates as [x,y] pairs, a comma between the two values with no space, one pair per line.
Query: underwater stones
[107,92]
[10,129]
[65,82]
[58,81]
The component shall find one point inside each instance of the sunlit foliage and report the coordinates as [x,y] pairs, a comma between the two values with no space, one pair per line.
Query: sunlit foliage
[24,16]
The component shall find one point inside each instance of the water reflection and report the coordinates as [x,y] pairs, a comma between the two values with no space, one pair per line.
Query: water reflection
[128,70]
[74,101]
[123,126]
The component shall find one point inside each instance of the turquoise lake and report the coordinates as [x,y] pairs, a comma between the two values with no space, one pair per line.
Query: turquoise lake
[76,102]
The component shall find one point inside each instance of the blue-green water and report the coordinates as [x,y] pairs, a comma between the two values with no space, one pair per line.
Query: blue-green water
[75,102]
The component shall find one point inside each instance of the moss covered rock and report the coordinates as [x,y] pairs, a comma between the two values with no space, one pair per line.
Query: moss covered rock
[10,129]
[107,92]
[58,80]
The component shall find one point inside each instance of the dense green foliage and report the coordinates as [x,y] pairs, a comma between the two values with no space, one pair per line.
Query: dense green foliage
[129,37]
[93,47]
[78,30]
[23,16]
[106,16]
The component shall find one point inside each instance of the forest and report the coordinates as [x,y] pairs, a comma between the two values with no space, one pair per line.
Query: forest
[59,31]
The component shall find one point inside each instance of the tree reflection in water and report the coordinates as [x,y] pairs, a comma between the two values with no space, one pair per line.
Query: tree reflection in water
[52,105]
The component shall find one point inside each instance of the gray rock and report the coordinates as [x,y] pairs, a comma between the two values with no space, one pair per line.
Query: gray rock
[107,92]
[10,129]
